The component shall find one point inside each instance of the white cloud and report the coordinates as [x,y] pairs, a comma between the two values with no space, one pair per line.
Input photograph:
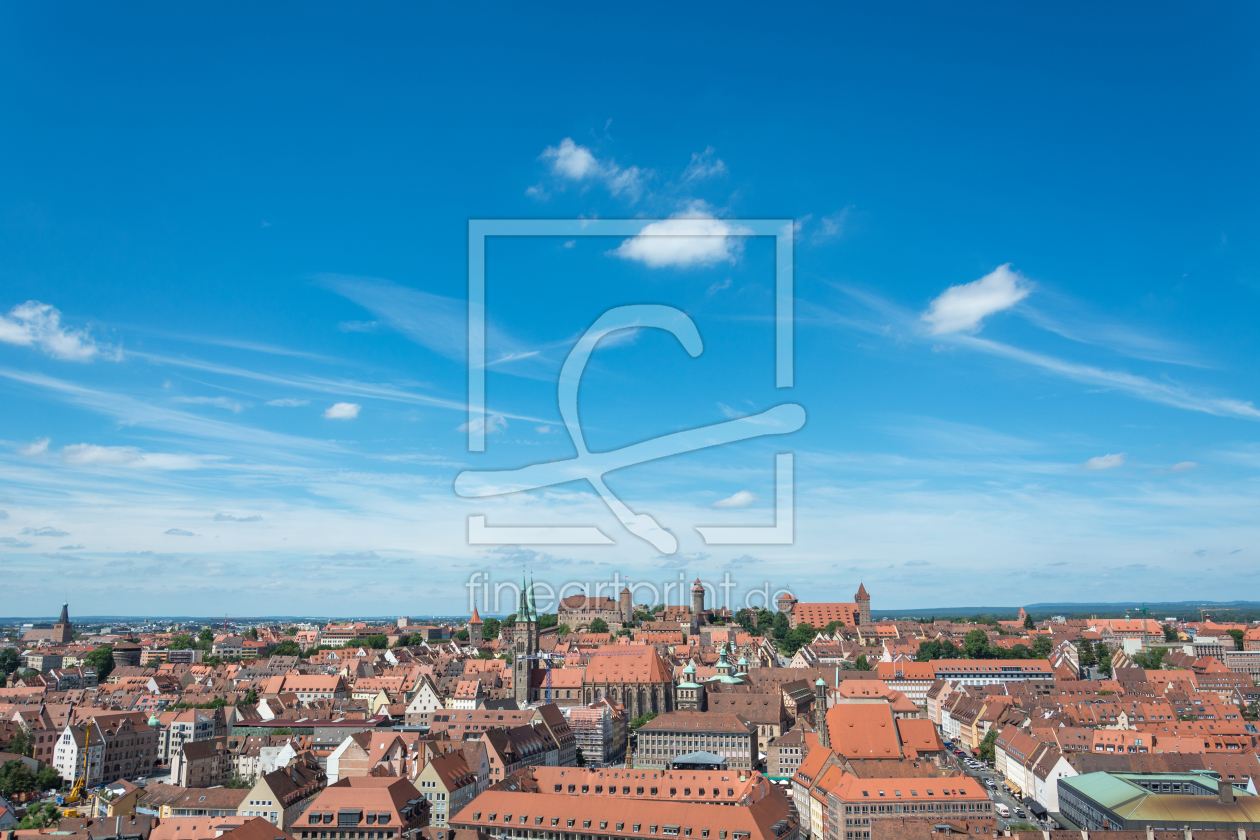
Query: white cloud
[91,455]
[703,165]
[1105,462]
[36,448]
[46,531]
[962,308]
[13,542]
[359,326]
[71,547]
[691,238]
[228,517]
[343,411]
[39,325]
[570,160]
[833,226]
[218,402]
[542,430]
[492,424]
[1184,466]
[573,162]
[288,403]
[179,532]
[741,499]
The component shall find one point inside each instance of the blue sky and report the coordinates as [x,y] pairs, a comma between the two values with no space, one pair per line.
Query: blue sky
[233,268]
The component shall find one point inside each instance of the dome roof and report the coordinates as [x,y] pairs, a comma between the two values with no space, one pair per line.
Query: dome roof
[153,720]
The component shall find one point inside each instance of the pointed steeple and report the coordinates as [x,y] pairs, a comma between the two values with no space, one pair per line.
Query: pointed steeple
[861,593]
[476,619]
[533,605]
[65,613]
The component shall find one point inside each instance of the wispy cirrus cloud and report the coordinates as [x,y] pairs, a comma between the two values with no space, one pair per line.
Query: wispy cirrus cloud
[218,402]
[967,310]
[1105,462]
[704,165]
[35,449]
[91,455]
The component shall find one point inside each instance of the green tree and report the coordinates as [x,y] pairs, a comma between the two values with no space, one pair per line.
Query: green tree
[206,637]
[1252,710]
[640,720]
[563,630]
[462,635]
[547,620]
[1238,638]
[485,654]
[40,816]
[290,631]
[10,661]
[238,783]
[831,627]
[510,621]
[976,644]
[252,633]
[490,628]
[987,750]
[1085,653]
[928,651]
[581,759]
[21,743]
[1029,624]
[1041,647]
[377,641]
[102,659]
[796,639]
[48,778]
[15,777]
[182,642]
[861,664]
[251,697]
[599,626]
[1104,664]
[287,648]
[1170,633]
[779,625]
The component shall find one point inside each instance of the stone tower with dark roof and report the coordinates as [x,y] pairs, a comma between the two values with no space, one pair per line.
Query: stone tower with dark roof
[627,608]
[697,600]
[864,605]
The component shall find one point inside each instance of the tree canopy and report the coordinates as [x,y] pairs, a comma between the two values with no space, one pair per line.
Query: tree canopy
[599,626]
[102,659]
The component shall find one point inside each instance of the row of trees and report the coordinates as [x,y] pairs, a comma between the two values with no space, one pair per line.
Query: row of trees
[976,645]
[16,777]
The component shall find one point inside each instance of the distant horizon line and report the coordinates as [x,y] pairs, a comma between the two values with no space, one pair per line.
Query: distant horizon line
[885,613]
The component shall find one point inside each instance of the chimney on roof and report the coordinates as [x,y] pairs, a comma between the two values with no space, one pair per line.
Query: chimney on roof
[1226,791]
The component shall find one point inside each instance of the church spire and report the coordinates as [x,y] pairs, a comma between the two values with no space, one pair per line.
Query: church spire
[65,613]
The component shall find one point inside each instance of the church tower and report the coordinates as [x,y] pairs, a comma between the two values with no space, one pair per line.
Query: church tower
[525,647]
[63,633]
[474,627]
[820,712]
[864,606]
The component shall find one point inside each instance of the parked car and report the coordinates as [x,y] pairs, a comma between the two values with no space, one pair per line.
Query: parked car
[992,784]
[1019,812]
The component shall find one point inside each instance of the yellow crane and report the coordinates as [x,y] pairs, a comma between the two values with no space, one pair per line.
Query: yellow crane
[80,784]
[1205,613]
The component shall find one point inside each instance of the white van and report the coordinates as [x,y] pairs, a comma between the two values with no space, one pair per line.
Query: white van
[1002,810]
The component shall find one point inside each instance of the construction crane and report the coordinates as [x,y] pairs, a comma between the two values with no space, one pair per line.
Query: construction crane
[1205,613]
[78,792]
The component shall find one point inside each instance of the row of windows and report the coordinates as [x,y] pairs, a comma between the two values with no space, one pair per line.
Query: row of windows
[666,830]
[347,835]
[916,807]
[625,790]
